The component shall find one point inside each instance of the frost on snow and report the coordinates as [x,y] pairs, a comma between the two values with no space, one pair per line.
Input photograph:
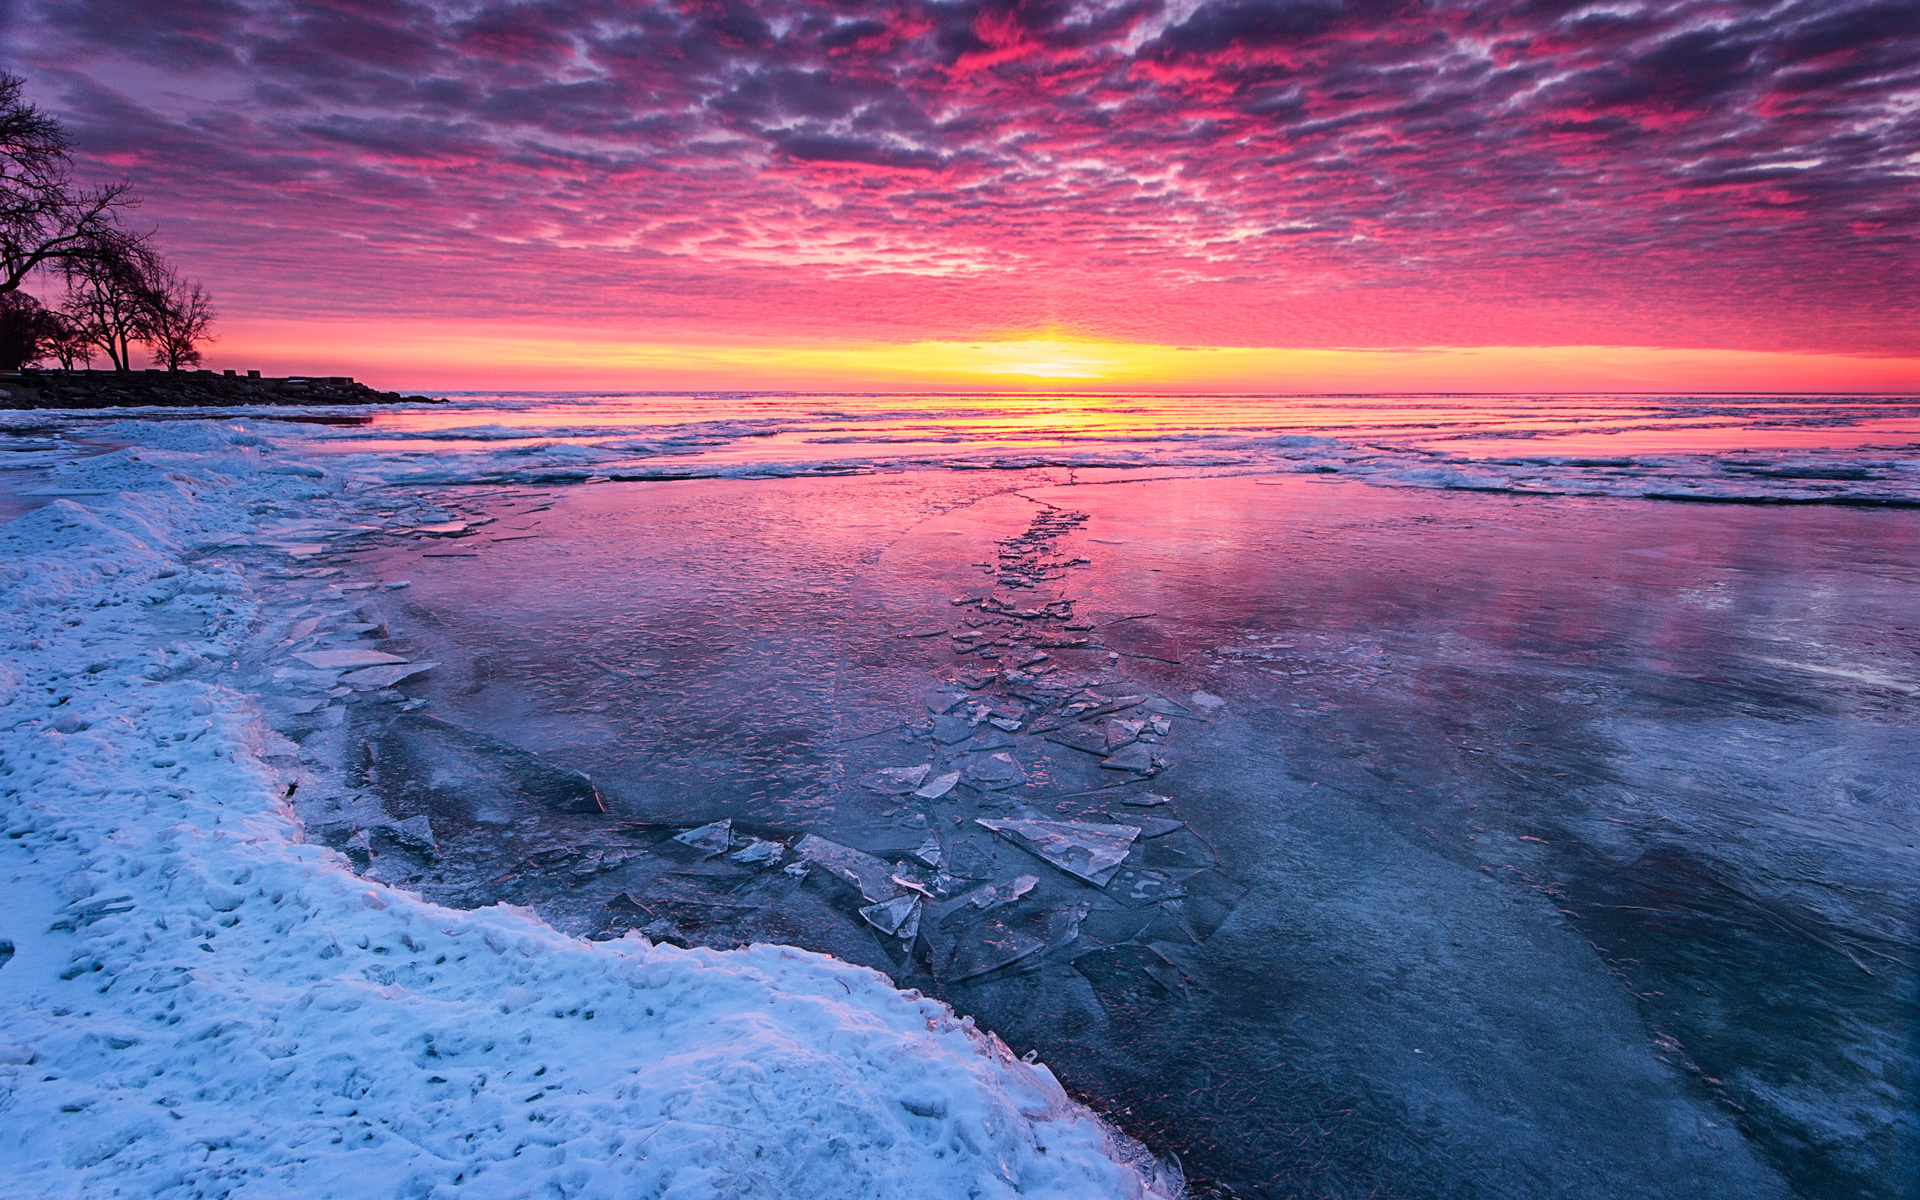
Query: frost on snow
[199,1002]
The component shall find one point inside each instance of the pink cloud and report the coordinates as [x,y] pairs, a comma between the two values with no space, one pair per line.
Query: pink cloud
[1322,173]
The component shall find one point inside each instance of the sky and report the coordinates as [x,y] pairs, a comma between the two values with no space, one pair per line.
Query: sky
[1197,193]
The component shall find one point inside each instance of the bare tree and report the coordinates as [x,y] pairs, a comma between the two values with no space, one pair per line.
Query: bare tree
[179,312]
[110,294]
[69,345]
[45,218]
[28,332]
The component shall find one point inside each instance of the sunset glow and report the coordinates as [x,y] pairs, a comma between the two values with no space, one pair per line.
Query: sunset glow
[1194,194]
[463,356]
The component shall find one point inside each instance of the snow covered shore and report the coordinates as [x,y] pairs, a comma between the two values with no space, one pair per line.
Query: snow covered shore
[198,1002]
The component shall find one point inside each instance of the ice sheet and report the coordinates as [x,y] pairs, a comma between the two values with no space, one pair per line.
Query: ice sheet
[200,1000]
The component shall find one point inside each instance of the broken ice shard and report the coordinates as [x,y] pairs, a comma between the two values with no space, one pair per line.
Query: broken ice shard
[758,851]
[870,876]
[899,916]
[929,852]
[1147,800]
[1124,976]
[713,838]
[896,781]
[419,763]
[335,660]
[1091,851]
[1151,827]
[1136,758]
[371,678]
[994,946]
[1080,737]
[414,833]
[938,786]
[950,729]
[990,896]
[994,771]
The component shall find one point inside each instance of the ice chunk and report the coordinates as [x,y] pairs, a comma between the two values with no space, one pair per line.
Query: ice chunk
[759,851]
[907,880]
[1007,723]
[339,660]
[938,786]
[929,852]
[870,876]
[1136,758]
[1147,800]
[414,833]
[995,946]
[899,916]
[994,771]
[429,765]
[385,677]
[1207,701]
[1122,732]
[1140,886]
[989,896]
[1113,705]
[1080,737]
[1091,851]
[1062,925]
[896,781]
[950,729]
[1124,976]
[1151,827]
[713,838]
[965,860]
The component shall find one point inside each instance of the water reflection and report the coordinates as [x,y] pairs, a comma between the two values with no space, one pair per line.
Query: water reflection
[1527,849]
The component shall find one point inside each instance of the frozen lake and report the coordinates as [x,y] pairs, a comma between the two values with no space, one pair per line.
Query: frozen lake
[1363,797]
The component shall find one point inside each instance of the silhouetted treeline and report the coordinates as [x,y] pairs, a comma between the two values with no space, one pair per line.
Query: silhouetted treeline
[119,291]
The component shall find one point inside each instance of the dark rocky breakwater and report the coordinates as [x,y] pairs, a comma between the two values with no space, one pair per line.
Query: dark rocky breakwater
[185,389]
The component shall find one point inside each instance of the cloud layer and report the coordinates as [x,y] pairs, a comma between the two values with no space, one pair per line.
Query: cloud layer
[1226,172]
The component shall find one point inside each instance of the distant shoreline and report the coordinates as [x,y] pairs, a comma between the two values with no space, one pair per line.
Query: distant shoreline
[32,389]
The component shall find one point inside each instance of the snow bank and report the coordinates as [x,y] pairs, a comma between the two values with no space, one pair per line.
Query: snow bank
[199,1003]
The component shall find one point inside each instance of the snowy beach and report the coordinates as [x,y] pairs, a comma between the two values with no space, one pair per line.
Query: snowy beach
[366,789]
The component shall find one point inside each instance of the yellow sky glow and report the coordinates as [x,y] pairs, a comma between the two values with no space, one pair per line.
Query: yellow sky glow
[418,355]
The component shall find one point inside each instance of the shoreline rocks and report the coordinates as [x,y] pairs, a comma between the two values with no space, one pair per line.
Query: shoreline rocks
[32,389]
